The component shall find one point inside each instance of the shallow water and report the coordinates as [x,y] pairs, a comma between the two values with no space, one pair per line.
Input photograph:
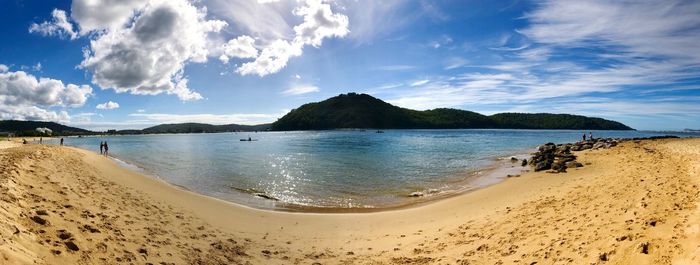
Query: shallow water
[337,169]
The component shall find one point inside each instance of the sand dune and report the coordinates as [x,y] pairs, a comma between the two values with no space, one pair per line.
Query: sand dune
[632,204]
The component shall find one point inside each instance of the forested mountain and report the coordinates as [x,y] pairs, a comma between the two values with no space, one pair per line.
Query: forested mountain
[364,111]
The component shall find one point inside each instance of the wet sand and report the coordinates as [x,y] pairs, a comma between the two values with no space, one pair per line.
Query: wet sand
[632,204]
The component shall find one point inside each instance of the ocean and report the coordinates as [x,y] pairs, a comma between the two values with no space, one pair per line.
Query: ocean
[342,169]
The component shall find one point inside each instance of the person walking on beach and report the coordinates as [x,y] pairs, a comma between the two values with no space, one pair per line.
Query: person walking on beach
[102,147]
[106,149]
[40,140]
[61,141]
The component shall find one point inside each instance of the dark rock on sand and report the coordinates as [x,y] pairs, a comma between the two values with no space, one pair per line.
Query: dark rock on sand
[37,219]
[72,246]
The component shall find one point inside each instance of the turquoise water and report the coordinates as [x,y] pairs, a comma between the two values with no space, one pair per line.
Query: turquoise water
[339,169]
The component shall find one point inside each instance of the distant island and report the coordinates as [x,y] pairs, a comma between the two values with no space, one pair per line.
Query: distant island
[363,111]
[349,111]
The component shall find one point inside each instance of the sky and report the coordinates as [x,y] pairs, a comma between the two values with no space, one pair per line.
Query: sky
[118,64]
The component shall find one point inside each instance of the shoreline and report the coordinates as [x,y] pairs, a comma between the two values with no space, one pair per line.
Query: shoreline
[547,216]
[472,180]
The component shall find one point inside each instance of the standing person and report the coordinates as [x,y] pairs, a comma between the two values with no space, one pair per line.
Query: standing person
[102,146]
[106,149]
[40,139]
[590,136]
[61,140]
[584,136]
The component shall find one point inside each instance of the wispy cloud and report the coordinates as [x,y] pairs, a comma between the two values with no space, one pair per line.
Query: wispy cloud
[419,82]
[301,89]
[396,67]
[625,53]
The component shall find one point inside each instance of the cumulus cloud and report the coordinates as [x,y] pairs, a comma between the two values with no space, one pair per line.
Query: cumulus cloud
[92,15]
[319,23]
[24,96]
[148,56]
[301,89]
[272,59]
[241,47]
[108,105]
[58,26]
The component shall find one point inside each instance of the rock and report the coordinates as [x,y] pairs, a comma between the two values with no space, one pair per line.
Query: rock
[513,159]
[524,163]
[265,196]
[63,234]
[512,176]
[72,246]
[37,219]
[42,212]
[599,145]
[417,194]
[573,164]
[586,146]
[559,167]
[544,165]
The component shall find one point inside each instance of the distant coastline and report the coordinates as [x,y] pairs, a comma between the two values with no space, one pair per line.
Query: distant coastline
[347,111]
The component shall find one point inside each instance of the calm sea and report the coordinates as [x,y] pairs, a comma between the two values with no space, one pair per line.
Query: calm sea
[334,169]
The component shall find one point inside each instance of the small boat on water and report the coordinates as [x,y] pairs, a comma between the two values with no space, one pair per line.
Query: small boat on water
[380,131]
[248,140]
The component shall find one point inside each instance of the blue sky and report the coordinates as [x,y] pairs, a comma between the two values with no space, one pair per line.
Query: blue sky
[135,63]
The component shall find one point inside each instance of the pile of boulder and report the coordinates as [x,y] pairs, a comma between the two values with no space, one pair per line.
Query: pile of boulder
[556,158]
[595,144]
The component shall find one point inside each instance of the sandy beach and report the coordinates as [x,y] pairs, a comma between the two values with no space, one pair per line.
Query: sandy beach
[636,203]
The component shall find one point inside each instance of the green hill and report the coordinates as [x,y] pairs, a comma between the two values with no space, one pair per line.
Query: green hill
[28,128]
[201,128]
[364,111]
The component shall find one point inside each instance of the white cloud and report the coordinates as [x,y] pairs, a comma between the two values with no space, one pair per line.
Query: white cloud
[455,62]
[26,97]
[96,15]
[140,110]
[148,56]
[58,26]
[272,59]
[22,89]
[3,68]
[108,105]
[319,23]
[32,113]
[37,67]
[241,47]
[301,89]
[420,82]
[265,21]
